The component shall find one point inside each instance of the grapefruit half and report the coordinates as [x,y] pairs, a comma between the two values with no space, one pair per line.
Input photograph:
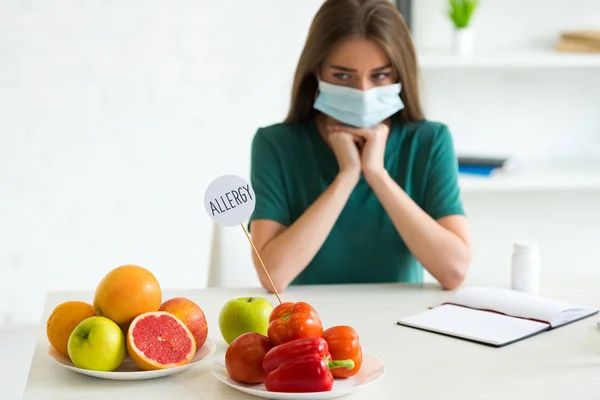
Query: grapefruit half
[159,340]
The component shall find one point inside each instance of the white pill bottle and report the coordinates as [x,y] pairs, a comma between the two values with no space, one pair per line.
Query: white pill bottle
[525,266]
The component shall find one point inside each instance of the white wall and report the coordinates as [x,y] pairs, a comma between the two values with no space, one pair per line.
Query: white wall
[529,113]
[115,116]
[506,25]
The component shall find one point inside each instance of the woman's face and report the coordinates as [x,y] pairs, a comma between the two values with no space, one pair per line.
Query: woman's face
[357,63]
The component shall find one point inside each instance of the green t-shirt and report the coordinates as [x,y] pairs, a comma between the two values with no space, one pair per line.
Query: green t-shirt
[291,166]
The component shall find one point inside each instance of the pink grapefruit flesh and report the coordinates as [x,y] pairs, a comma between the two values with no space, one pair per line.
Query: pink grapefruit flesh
[160,340]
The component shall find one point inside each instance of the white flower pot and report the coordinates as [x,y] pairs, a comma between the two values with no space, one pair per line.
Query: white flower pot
[464,41]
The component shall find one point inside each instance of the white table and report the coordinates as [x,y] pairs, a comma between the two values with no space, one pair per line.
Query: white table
[560,364]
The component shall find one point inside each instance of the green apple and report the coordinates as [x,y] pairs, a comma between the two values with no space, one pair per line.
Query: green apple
[244,314]
[97,343]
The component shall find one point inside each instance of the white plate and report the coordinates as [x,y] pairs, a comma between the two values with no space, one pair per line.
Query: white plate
[371,370]
[128,371]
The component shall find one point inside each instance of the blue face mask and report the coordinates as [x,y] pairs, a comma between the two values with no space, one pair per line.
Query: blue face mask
[356,107]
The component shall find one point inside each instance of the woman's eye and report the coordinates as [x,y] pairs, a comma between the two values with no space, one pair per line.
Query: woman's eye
[341,75]
[381,75]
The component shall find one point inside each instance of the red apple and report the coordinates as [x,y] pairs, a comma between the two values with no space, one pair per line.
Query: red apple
[190,314]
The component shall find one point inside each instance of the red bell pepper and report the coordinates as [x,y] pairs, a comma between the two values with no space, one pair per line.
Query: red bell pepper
[309,373]
[312,345]
[289,321]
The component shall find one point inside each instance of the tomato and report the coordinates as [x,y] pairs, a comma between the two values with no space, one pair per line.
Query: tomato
[344,344]
[289,321]
[244,357]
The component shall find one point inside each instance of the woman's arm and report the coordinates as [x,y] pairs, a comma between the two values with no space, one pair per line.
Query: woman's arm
[287,251]
[442,246]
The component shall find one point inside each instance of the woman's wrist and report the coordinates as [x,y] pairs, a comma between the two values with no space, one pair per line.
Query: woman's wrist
[349,177]
[376,177]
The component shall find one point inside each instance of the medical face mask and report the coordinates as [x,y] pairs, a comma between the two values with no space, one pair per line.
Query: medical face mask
[359,108]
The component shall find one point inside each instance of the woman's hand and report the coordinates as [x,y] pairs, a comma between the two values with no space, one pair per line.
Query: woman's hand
[345,148]
[373,150]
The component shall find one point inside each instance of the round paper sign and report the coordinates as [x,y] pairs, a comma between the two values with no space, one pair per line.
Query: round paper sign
[229,200]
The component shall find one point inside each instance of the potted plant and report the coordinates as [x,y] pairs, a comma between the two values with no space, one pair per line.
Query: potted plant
[460,13]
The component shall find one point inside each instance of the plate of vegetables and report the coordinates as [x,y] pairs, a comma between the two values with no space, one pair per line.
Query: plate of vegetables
[298,359]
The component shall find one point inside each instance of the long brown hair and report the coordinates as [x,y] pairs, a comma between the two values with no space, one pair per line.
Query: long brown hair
[337,20]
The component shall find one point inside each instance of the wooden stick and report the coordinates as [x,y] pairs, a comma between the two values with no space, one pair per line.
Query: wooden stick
[261,263]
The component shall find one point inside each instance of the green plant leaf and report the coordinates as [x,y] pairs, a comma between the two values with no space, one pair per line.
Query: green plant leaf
[461,11]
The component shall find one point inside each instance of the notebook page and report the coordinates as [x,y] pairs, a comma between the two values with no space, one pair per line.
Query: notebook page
[520,304]
[476,325]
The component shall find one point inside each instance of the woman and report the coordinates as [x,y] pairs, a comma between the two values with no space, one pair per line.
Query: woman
[355,186]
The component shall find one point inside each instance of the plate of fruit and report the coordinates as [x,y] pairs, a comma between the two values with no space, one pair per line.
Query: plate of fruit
[129,332]
[297,359]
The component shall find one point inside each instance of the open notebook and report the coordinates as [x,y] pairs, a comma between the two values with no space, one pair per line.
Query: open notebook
[496,316]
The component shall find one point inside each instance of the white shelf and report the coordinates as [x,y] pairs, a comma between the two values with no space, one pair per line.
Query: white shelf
[536,177]
[524,59]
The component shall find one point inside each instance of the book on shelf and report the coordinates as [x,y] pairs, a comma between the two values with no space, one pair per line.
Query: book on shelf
[483,166]
[579,41]
[496,316]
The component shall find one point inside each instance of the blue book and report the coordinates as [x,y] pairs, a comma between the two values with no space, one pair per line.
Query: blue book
[476,170]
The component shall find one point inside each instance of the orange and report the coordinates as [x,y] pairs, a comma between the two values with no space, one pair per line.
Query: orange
[160,340]
[64,318]
[126,292]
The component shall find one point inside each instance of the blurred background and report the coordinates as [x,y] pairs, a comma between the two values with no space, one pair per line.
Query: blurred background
[116,115]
